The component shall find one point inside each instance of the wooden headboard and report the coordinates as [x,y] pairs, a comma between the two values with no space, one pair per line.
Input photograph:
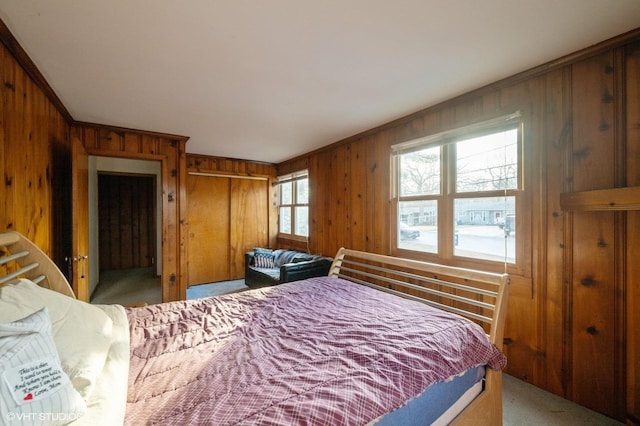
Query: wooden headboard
[478,295]
[20,258]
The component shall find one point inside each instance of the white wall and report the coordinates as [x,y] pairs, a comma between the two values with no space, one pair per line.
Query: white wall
[119,165]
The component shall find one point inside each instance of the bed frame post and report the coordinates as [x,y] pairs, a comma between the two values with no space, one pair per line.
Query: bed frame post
[337,263]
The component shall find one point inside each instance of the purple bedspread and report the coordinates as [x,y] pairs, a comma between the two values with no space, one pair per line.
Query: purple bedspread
[315,352]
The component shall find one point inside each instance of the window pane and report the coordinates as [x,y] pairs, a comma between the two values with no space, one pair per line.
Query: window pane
[485,228]
[302,221]
[286,195]
[487,163]
[420,172]
[285,220]
[418,225]
[302,191]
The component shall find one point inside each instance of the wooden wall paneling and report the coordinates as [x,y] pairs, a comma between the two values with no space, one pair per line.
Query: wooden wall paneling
[593,316]
[36,192]
[378,181]
[5,146]
[127,221]
[145,224]
[321,187]
[317,199]
[110,140]
[183,225]
[532,243]
[139,193]
[524,334]
[556,141]
[593,258]
[632,337]
[80,266]
[619,229]
[249,218]
[31,129]
[209,240]
[173,285]
[132,142]
[332,232]
[150,145]
[105,226]
[113,232]
[321,180]
[632,290]
[341,208]
[30,132]
[273,212]
[357,179]
[125,214]
[13,177]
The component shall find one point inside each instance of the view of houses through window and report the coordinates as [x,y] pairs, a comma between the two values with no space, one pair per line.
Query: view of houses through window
[294,204]
[459,193]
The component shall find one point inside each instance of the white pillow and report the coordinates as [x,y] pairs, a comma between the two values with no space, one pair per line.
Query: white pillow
[82,332]
[33,388]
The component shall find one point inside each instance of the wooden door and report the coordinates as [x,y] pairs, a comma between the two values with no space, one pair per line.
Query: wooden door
[249,220]
[80,219]
[208,225]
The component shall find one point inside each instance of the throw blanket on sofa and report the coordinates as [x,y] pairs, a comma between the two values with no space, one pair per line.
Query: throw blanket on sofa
[319,351]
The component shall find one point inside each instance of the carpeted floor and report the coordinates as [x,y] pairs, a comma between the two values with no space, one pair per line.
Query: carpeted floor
[136,286]
[523,404]
[527,405]
[127,287]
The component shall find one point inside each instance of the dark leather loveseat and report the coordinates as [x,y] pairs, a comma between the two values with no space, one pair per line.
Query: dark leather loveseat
[265,267]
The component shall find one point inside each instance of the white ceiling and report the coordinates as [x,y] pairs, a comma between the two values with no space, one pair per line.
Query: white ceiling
[269,80]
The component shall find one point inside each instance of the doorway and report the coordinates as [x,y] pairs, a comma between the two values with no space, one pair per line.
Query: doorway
[125,231]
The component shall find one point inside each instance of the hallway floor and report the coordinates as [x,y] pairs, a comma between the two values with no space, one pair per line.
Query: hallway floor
[141,285]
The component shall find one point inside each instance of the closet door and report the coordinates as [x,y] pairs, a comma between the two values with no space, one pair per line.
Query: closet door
[249,220]
[208,201]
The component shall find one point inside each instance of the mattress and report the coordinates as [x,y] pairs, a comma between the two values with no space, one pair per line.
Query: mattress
[317,351]
[440,402]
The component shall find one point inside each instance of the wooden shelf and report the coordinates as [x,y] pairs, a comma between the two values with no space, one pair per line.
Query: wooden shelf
[602,200]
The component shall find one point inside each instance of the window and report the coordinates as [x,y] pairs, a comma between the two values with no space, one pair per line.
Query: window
[294,204]
[458,193]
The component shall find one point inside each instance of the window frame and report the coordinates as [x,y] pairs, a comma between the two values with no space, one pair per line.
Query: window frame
[448,195]
[292,178]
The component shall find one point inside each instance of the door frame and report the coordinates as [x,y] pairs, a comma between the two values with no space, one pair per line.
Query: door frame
[101,163]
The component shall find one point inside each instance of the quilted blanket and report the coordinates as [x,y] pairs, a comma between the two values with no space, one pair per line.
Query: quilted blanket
[314,352]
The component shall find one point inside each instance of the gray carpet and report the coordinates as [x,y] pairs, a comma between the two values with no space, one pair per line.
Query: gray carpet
[136,286]
[127,287]
[527,405]
[215,289]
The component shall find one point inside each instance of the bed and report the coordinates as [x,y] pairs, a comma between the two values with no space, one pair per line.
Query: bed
[380,340]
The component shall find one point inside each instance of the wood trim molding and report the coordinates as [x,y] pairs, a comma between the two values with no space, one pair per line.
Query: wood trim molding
[614,199]
[126,130]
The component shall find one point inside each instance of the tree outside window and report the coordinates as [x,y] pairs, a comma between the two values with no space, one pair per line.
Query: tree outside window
[294,205]
[458,193]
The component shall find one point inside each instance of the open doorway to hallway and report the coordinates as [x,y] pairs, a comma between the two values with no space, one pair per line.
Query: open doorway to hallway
[125,231]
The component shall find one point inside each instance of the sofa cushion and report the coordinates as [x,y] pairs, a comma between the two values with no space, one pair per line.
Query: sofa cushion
[282,257]
[263,258]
